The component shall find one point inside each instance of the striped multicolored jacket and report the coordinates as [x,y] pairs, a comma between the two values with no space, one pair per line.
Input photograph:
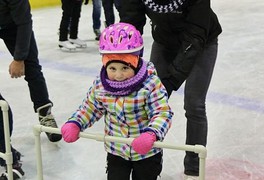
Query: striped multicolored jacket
[128,116]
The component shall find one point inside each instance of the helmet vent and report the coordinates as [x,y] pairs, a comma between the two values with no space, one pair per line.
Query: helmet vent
[120,39]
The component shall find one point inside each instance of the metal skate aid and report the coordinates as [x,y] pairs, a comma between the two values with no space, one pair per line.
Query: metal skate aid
[199,149]
[7,156]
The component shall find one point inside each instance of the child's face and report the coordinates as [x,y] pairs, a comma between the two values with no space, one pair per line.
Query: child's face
[119,71]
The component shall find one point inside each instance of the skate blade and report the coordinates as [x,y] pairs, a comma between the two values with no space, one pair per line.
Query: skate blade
[67,49]
[80,46]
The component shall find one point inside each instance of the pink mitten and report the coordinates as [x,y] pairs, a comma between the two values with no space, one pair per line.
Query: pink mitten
[70,132]
[143,143]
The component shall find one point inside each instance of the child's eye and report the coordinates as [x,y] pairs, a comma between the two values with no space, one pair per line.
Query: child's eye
[112,68]
[125,67]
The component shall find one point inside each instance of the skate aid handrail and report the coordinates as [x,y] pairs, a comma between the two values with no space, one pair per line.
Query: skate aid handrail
[199,149]
[7,156]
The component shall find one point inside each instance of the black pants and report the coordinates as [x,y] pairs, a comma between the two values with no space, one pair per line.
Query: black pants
[120,169]
[108,6]
[195,91]
[71,13]
[2,137]
[33,74]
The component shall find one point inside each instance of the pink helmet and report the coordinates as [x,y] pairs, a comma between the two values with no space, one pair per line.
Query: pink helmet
[120,38]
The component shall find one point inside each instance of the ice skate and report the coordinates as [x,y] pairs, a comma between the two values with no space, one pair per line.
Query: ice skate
[47,119]
[18,173]
[97,33]
[78,43]
[67,45]
[187,177]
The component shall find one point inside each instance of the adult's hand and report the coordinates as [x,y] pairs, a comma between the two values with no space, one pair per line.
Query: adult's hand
[17,69]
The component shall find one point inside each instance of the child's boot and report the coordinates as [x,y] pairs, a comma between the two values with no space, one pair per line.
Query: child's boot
[47,119]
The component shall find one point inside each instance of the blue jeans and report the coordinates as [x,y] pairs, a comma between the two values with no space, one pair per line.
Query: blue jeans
[97,4]
[108,6]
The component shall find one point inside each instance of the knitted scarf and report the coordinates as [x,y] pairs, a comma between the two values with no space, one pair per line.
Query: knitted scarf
[173,7]
[124,88]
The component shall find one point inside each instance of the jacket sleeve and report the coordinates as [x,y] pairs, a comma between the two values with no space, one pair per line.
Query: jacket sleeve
[158,109]
[133,12]
[198,19]
[21,15]
[89,111]
[192,38]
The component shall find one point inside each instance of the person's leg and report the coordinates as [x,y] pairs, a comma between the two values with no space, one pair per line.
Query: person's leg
[2,135]
[162,58]
[33,74]
[75,18]
[118,168]
[96,15]
[147,169]
[117,4]
[74,25]
[196,88]
[97,4]
[39,91]
[36,82]
[17,165]
[67,6]
[108,6]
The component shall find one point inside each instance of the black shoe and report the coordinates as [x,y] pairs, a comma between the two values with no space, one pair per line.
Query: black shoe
[16,157]
[47,119]
[16,154]
[17,172]
[97,33]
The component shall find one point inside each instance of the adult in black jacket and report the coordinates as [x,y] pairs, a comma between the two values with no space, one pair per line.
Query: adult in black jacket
[16,32]
[184,49]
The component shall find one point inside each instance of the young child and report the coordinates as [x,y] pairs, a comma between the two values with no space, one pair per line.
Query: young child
[134,104]
[17,170]
[71,13]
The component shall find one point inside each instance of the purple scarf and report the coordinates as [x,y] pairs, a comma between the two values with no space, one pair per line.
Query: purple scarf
[124,88]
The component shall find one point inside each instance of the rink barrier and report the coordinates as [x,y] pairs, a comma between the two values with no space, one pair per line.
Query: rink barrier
[7,156]
[37,129]
[44,3]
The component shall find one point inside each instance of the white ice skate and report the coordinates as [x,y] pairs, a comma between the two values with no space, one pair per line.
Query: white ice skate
[186,177]
[67,45]
[78,43]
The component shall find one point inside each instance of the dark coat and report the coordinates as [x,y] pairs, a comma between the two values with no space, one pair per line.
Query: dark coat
[194,17]
[16,15]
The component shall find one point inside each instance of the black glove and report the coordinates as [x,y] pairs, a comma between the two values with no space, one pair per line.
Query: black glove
[86,2]
[183,63]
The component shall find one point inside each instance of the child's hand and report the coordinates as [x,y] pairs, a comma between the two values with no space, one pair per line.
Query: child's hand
[70,132]
[144,143]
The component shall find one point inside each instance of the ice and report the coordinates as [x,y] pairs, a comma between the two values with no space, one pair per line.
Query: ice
[235,103]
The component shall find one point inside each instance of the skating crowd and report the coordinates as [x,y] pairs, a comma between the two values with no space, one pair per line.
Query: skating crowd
[131,94]
[71,13]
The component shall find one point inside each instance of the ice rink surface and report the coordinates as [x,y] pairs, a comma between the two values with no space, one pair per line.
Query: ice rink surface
[235,103]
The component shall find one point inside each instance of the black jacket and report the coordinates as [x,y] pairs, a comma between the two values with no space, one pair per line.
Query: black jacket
[15,15]
[168,23]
